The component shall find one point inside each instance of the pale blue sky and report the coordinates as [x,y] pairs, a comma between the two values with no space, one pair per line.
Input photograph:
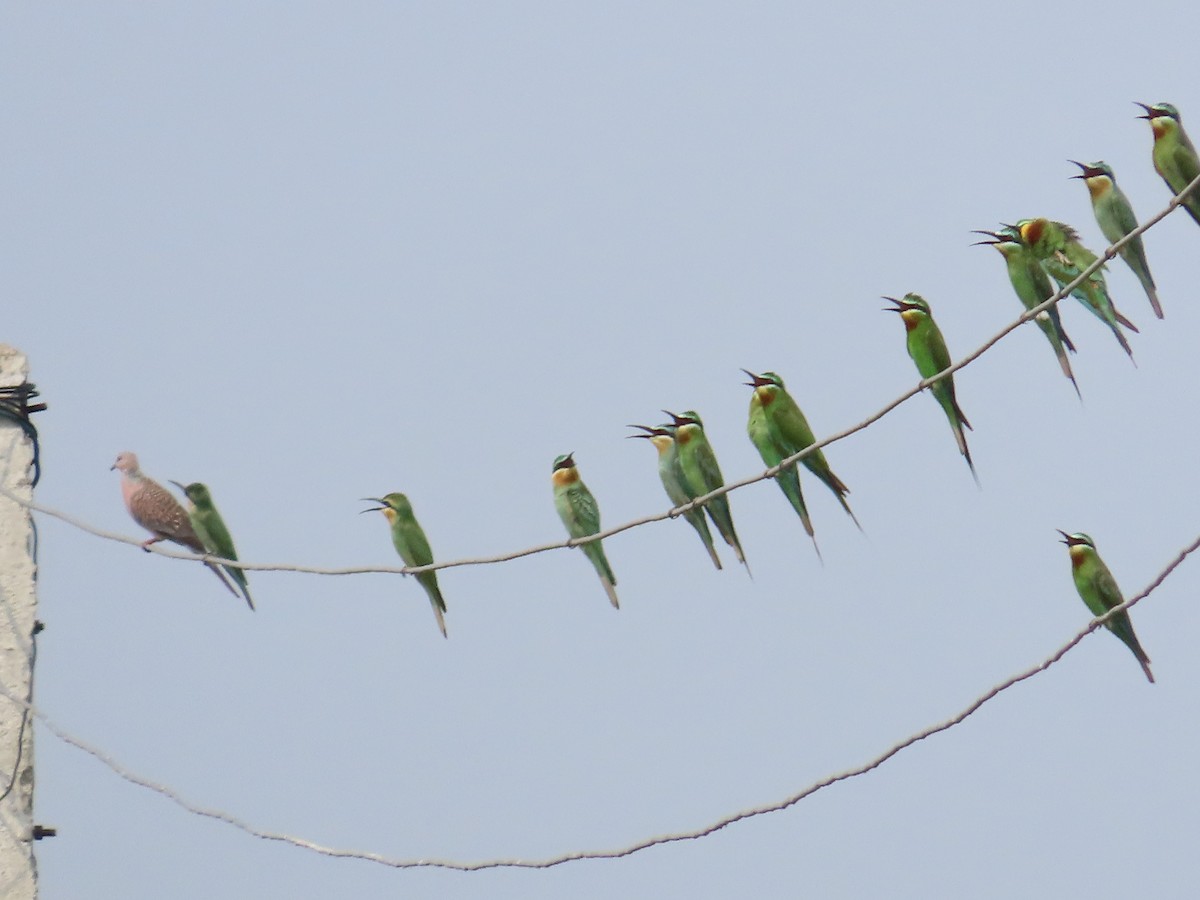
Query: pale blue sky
[308,253]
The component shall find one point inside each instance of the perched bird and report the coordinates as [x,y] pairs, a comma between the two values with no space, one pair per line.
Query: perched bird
[928,350]
[1099,591]
[702,474]
[210,528]
[671,475]
[411,544]
[791,432]
[578,510]
[1114,215]
[1033,288]
[155,509]
[773,453]
[1174,156]
[1056,246]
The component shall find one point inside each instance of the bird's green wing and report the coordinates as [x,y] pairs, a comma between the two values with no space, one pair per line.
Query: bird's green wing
[1123,217]
[215,535]
[585,510]
[937,349]
[415,542]
[791,428]
[1107,591]
[196,517]
[709,470]
[1186,162]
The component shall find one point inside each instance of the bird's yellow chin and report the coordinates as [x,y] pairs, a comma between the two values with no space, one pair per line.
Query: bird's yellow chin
[566,476]
[1079,553]
[1099,185]
[390,514]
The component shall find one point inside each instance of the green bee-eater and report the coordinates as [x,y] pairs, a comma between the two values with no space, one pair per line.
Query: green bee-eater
[210,528]
[1057,248]
[578,510]
[1099,591]
[413,547]
[671,475]
[1115,216]
[1174,156]
[928,350]
[772,453]
[1032,287]
[701,474]
[792,433]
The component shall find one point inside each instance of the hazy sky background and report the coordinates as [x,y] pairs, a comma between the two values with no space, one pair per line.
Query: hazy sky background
[308,253]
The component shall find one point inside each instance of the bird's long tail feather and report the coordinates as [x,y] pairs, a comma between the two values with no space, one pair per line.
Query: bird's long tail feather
[225,581]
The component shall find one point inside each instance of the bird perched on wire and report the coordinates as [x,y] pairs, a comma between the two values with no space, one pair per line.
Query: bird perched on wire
[210,528]
[1175,158]
[154,508]
[1099,591]
[413,547]
[581,516]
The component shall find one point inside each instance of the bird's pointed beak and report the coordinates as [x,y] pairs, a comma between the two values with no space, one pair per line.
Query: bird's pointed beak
[177,484]
[675,420]
[1066,537]
[380,508]
[899,307]
[1086,170]
[995,238]
[756,381]
[1149,111]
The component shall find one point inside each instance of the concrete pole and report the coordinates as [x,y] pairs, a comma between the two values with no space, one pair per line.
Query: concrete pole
[18,868]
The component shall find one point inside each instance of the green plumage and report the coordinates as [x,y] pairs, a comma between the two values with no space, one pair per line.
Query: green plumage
[671,475]
[210,528]
[1033,287]
[410,542]
[1115,216]
[772,453]
[579,513]
[928,350]
[1056,246]
[792,434]
[1174,156]
[1099,591]
[702,474]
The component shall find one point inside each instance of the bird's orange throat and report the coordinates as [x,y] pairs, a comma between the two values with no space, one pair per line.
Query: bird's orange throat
[1031,231]
[390,515]
[911,317]
[1161,126]
[765,394]
[1098,186]
[1078,555]
[563,477]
